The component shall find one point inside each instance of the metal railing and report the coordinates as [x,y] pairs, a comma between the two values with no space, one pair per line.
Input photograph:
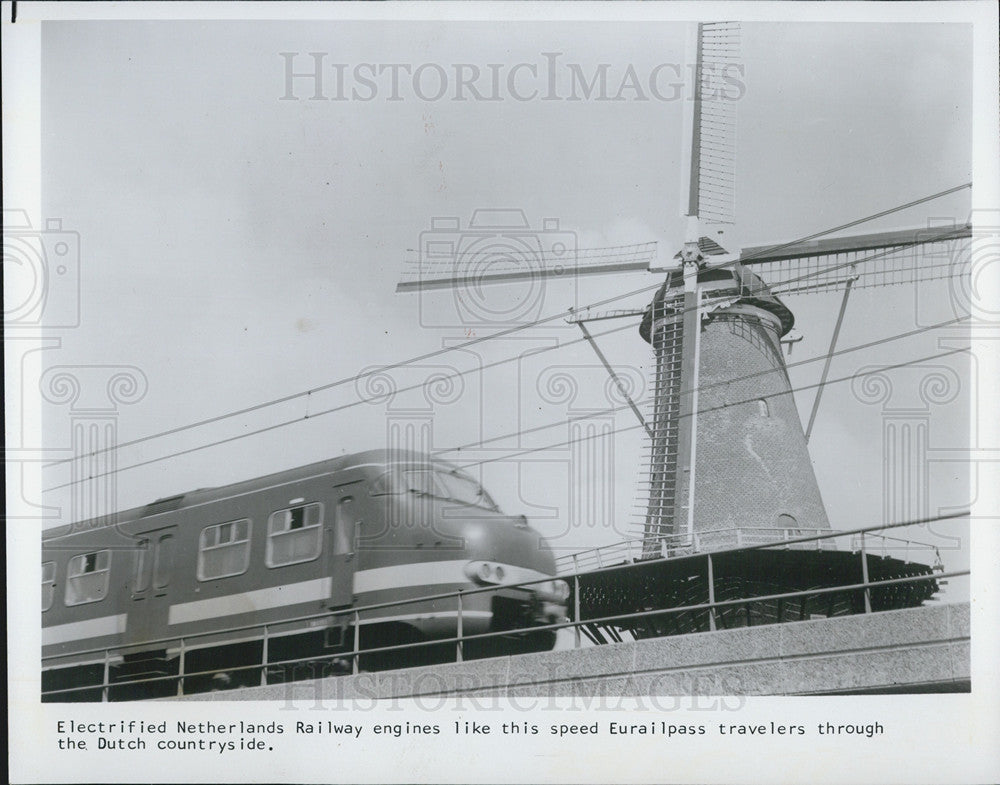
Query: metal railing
[717,540]
[265,632]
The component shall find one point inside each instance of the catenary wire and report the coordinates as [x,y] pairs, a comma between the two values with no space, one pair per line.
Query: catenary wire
[457,374]
[538,449]
[482,339]
[700,388]
[612,431]
[299,419]
[438,352]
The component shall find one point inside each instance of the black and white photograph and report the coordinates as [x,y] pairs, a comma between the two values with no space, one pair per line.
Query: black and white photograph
[502,392]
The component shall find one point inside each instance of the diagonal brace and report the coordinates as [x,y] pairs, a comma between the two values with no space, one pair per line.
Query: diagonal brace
[614,377]
[829,356]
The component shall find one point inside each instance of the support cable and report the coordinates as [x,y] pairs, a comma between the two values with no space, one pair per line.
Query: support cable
[483,339]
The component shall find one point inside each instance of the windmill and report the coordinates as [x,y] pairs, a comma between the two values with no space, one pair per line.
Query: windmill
[727,452]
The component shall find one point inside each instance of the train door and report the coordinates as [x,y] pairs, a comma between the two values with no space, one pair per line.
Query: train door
[149,586]
[342,537]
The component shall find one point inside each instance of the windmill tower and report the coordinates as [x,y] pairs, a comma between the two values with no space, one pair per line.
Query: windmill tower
[727,452]
[727,458]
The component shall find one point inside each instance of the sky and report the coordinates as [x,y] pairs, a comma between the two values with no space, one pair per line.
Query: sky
[238,248]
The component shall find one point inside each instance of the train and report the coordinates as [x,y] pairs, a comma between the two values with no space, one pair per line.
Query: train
[251,582]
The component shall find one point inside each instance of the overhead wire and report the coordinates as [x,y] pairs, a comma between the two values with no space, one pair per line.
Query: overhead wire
[612,431]
[344,380]
[438,352]
[457,374]
[704,387]
[332,410]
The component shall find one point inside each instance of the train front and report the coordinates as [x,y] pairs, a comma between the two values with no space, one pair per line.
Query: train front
[440,533]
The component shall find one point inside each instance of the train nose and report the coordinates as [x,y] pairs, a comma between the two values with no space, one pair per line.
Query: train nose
[543,587]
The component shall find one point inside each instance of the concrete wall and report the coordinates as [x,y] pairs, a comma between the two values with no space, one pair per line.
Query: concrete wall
[912,650]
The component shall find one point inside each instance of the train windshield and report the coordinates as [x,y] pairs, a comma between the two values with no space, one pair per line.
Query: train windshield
[463,489]
[451,486]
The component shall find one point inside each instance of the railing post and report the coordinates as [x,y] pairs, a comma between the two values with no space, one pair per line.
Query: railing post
[600,563]
[357,642]
[107,676]
[864,575]
[180,669]
[576,611]
[711,593]
[459,631]
[264,655]
[576,564]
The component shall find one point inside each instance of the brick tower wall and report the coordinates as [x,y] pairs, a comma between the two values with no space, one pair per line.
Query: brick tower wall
[753,469]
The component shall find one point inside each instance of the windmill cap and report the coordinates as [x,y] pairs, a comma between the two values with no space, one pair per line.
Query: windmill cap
[736,280]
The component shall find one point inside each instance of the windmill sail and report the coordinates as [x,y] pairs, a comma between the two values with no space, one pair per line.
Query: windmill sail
[712,178]
[473,259]
[880,259]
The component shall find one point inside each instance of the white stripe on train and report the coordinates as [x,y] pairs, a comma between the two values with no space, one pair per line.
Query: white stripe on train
[365,581]
[91,628]
[248,602]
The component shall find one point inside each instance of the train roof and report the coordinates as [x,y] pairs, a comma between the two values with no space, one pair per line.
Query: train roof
[179,501]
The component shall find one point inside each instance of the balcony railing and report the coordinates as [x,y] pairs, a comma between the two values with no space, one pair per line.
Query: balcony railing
[718,540]
[352,619]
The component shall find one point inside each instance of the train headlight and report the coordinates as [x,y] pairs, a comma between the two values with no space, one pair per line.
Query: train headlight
[484,572]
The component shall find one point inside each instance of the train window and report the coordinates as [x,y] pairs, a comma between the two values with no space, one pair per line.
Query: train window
[87,577]
[294,535]
[48,584]
[163,566]
[422,481]
[450,486]
[140,581]
[224,550]
[346,528]
[464,490]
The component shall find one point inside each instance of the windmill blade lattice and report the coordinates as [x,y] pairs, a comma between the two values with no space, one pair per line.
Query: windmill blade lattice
[712,193]
[476,263]
[909,256]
